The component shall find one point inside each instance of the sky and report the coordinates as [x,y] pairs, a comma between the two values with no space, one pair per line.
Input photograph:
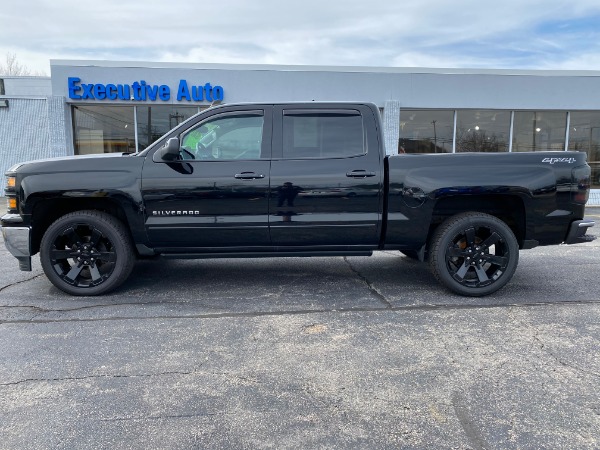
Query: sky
[504,34]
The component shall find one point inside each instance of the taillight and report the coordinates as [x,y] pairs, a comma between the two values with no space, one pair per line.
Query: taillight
[580,190]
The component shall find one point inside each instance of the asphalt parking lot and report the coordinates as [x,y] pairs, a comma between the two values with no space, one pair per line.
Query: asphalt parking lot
[304,353]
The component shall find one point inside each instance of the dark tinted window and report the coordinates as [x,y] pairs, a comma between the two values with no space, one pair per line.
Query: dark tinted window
[322,135]
[426,131]
[585,137]
[103,129]
[537,131]
[154,121]
[482,131]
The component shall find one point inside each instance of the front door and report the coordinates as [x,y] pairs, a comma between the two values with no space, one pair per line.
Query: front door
[216,193]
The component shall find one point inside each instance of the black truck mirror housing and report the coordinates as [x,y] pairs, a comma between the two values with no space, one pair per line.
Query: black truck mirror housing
[169,151]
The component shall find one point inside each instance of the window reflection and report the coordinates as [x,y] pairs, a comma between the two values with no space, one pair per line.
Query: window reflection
[426,131]
[307,134]
[536,131]
[584,136]
[227,137]
[482,131]
[155,121]
[103,129]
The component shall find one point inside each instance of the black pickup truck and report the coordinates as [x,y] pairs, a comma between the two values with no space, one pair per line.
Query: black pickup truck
[299,179]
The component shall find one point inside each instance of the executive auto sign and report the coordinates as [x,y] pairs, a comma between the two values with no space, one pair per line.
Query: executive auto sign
[141,91]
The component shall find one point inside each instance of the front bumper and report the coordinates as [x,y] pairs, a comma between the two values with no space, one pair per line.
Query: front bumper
[577,232]
[17,241]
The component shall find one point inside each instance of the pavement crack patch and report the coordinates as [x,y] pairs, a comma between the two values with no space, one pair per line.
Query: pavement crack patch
[559,361]
[86,307]
[166,417]
[21,281]
[539,343]
[92,377]
[370,286]
[257,314]
[35,308]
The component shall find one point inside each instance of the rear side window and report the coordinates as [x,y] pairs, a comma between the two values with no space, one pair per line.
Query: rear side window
[322,134]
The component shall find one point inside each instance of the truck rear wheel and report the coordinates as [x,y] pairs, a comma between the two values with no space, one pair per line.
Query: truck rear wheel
[87,253]
[473,254]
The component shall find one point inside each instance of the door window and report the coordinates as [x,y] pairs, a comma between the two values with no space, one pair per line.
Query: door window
[227,137]
[322,134]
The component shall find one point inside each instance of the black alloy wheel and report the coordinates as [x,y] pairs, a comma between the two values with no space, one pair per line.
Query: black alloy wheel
[87,253]
[474,254]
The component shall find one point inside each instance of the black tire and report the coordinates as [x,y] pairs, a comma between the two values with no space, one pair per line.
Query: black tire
[473,254]
[87,253]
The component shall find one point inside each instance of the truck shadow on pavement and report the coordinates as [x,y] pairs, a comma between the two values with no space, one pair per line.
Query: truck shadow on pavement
[273,286]
[387,281]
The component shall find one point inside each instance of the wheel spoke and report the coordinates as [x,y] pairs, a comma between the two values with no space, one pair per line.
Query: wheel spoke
[71,235]
[454,252]
[470,235]
[491,240]
[95,273]
[481,274]
[106,256]
[501,261]
[74,272]
[462,271]
[95,237]
[57,254]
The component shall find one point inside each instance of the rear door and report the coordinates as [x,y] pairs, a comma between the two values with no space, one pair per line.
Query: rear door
[326,177]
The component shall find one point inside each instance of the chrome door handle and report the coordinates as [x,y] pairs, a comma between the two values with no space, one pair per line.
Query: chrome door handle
[248,176]
[360,174]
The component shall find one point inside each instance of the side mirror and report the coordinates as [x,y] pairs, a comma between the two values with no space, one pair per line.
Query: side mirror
[169,151]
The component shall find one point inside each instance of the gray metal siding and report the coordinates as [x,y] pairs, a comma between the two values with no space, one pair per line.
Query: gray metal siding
[59,127]
[23,133]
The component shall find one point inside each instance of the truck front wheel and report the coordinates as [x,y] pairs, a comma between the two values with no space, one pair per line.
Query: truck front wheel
[87,253]
[473,254]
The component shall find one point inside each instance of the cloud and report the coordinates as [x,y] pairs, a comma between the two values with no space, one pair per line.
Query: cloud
[431,33]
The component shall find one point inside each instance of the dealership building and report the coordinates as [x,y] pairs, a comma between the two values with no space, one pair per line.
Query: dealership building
[89,107]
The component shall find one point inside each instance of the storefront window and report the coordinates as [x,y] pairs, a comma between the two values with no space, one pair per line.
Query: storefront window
[103,129]
[482,131]
[584,136]
[426,131]
[154,121]
[535,131]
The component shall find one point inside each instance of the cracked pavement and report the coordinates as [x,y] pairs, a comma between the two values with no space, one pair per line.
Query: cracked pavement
[349,352]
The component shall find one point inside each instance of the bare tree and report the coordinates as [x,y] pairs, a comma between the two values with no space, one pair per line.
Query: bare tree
[12,67]
[478,141]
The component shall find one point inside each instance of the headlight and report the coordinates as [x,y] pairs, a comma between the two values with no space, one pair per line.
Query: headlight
[10,193]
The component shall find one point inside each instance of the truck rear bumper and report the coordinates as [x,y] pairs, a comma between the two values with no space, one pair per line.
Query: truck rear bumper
[17,241]
[577,232]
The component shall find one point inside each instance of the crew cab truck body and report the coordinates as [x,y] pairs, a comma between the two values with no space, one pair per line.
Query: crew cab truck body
[300,179]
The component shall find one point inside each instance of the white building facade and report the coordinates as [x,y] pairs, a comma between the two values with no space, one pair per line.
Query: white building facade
[108,106]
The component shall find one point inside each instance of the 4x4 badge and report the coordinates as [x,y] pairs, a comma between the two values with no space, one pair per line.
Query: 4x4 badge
[559,160]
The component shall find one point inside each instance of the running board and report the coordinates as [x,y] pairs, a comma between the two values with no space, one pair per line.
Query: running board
[263,254]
